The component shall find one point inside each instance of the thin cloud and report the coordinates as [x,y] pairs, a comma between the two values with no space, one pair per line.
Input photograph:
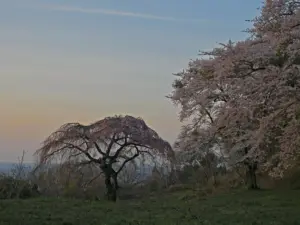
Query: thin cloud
[116,13]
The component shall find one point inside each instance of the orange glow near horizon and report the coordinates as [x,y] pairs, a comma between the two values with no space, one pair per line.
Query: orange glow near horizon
[24,125]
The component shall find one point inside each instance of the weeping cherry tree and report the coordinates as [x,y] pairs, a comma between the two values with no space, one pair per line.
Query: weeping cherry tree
[110,143]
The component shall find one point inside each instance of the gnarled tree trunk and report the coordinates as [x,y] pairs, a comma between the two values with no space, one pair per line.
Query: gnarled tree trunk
[111,182]
[111,190]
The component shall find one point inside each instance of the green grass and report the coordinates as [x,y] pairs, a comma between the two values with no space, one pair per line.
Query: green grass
[260,207]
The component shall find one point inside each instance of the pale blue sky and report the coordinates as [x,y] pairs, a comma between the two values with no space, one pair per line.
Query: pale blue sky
[64,61]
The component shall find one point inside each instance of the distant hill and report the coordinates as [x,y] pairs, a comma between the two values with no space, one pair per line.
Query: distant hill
[6,167]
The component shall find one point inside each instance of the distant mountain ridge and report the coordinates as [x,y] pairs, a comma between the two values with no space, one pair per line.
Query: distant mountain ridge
[7,167]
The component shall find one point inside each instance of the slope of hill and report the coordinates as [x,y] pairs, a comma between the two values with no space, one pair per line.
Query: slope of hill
[244,208]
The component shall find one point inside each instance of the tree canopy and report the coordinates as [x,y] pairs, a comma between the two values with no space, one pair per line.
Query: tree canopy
[244,96]
[110,143]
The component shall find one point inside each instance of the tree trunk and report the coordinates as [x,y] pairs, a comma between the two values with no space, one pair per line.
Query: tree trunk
[252,180]
[251,173]
[214,180]
[115,179]
[111,189]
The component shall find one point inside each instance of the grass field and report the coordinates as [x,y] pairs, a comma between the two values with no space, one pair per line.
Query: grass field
[260,207]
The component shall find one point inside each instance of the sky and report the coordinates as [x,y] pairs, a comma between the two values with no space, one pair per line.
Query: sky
[80,61]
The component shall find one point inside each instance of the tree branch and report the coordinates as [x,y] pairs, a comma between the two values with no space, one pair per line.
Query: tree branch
[111,143]
[85,152]
[115,140]
[92,180]
[209,115]
[115,156]
[98,148]
[128,160]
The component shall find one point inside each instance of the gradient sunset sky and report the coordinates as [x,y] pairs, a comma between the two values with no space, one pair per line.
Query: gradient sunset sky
[81,60]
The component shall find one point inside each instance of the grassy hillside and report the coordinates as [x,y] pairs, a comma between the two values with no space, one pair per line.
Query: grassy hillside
[262,207]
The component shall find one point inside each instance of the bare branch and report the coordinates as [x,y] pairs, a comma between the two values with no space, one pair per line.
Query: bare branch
[128,160]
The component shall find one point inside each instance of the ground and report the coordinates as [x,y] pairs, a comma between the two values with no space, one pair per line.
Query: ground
[243,208]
